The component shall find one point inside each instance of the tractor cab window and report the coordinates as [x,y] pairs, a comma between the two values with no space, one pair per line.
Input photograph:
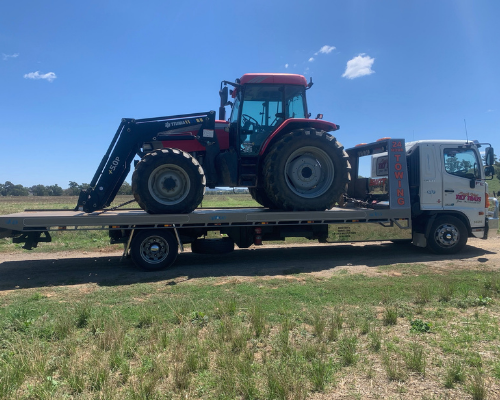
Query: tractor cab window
[261,114]
[462,162]
[295,102]
[235,110]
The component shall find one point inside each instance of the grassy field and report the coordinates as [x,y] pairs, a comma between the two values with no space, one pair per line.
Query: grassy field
[401,332]
[406,333]
[494,186]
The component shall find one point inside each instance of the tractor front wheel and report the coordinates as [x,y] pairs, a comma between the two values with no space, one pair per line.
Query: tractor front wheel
[306,170]
[168,181]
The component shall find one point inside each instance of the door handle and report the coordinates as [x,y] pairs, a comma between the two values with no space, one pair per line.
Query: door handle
[449,191]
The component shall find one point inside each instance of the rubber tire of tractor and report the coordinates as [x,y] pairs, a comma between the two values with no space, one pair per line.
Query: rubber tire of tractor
[181,169]
[455,240]
[154,250]
[213,246]
[261,197]
[317,143]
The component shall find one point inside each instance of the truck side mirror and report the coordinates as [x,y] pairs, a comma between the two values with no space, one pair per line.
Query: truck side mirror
[489,170]
[489,156]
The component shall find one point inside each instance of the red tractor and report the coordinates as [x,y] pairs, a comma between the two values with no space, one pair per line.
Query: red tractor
[269,144]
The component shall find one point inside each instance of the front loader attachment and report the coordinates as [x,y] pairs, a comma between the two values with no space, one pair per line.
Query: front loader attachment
[126,144]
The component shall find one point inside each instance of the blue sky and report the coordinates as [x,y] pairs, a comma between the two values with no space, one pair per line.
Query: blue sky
[69,71]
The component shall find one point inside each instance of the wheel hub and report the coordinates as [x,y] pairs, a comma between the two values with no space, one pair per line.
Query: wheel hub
[154,250]
[304,172]
[447,235]
[309,172]
[169,184]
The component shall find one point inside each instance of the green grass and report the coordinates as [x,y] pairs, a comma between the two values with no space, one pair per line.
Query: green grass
[260,338]
[494,186]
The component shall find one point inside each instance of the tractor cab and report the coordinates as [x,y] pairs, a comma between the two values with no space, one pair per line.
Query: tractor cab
[262,102]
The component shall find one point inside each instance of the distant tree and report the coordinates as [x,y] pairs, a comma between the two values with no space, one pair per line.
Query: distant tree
[74,189]
[39,190]
[9,189]
[125,189]
[55,190]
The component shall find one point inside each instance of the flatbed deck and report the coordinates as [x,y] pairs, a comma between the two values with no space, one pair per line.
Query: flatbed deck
[77,220]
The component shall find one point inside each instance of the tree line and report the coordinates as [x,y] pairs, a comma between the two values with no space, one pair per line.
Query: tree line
[10,189]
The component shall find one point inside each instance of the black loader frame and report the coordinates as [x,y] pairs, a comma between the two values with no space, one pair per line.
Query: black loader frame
[128,142]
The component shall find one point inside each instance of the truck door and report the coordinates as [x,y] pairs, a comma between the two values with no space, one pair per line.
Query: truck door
[461,167]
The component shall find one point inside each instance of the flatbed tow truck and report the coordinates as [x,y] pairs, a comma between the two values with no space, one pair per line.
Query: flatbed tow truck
[432,193]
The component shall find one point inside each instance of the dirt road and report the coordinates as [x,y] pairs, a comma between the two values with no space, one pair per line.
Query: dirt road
[32,270]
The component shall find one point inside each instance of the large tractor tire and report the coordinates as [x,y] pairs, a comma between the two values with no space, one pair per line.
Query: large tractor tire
[306,170]
[260,196]
[168,181]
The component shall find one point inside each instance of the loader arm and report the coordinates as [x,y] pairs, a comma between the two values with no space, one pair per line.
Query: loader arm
[127,142]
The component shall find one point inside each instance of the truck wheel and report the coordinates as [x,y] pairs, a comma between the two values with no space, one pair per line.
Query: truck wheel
[212,246]
[448,235]
[168,181]
[153,250]
[260,196]
[306,170]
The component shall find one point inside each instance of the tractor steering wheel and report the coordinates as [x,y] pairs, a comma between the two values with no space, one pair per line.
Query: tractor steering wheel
[247,120]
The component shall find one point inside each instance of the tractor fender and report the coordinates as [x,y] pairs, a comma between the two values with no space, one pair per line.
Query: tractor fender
[297,123]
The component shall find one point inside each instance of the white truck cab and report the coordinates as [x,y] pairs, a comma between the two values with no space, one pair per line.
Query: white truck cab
[448,192]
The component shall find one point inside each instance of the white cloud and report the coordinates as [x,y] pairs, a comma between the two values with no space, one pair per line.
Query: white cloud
[490,110]
[311,59]
[325,50]
[286,65]
[7,56]
[359,66]
[50,76]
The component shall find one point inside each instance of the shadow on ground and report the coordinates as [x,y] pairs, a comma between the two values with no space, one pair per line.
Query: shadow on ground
[109,271]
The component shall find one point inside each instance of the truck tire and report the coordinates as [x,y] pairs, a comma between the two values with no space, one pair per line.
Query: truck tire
[260,196]
[213,246]
[306,170]
[448,235]
[154,250]
[168,181]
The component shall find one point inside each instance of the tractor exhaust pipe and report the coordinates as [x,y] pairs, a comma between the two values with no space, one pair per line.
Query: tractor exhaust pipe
[223,93]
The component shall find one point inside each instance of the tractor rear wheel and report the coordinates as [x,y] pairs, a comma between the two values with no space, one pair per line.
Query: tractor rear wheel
[168,181]
[260,196]
[306,170]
